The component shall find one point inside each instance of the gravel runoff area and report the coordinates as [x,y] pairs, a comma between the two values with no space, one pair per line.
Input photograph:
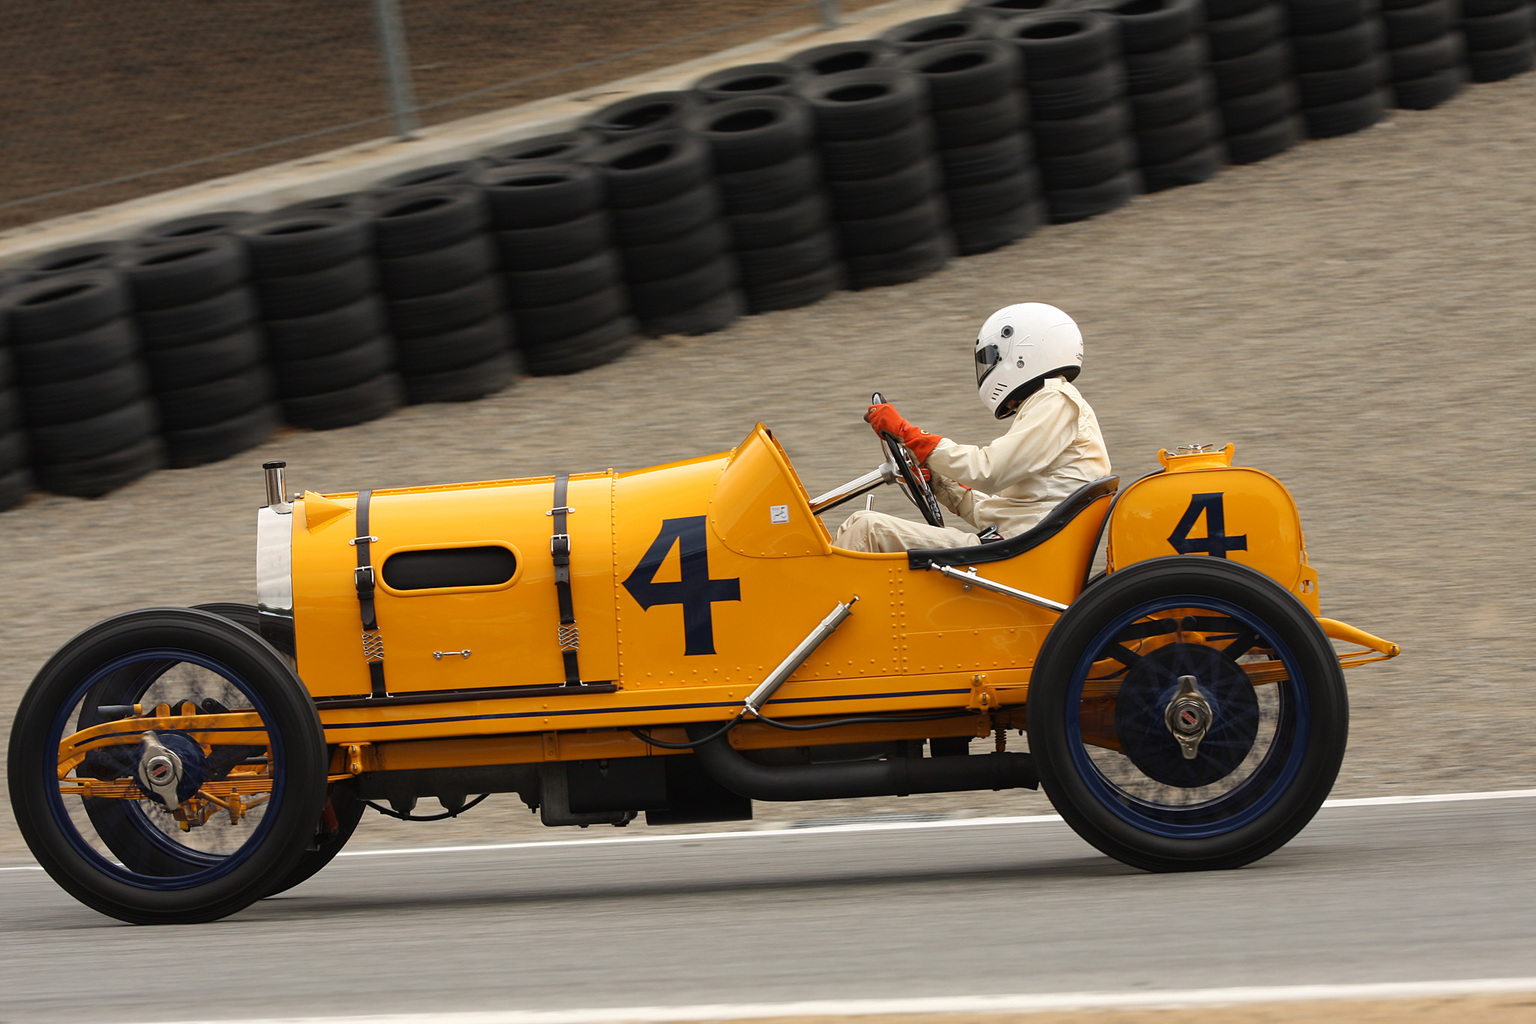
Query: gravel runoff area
[1358,315]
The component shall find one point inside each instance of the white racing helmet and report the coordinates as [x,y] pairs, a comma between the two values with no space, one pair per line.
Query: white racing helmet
[1018,347]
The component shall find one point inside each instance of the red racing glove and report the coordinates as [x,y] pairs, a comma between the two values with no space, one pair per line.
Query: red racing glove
[884,417]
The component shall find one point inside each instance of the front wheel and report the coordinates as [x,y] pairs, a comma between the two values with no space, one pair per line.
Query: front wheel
[1187,713]
[167,766]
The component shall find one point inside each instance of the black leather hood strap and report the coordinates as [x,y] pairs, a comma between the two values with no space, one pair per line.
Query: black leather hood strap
[560,551]
[363,576]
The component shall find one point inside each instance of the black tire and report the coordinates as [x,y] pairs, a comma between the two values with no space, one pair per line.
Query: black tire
[977,165]
[205,887]
[882,270]
[979,236]
[1062,43]
[594,347]
[91,351]
[1242,35]
[1430,91]
[198,225]
[304,243]
[101,474]
[94,436]
[764,188]
[936,30]
[178,273]
[1269,140]
[1074,204]
[562,284]
[1172,105]
[638,115]
[674,256]
[1055,99]
[454,350]
[1425,58]
[10,411]
[1294,734]
[99,255]
[1330,51]
[655,299]
[752,132]
[757,230]
[57,307]
[14,488]
[542,325]
[1164,69]
[206,404]
[446,311]
[651,168]
[770,79]
[1260,109]
[1322,88]
[1080,134]
[1170,142]
[966,73]
[218,441]
[348,406]
[69,401]
[864,104]
[794,292]
[765,266]
[1505,62]
[1251,73]
[197,322]
[13,450]
[1147,26]
[338,371]
[454,172]
[358,204]
[835,58]
[540,248]
[1187,169]
[1221,10]
[860,159]
[323,333]
[1419,23]
[304,295]
[463,384]
[1002,10]
[560,146]
[423,219]
[971,126]
[994,199]
[1085,169]
[1348,116]
[440,270]
[713,314]
[529,194]
[1482,8]
[892,232]
[672,218]
[877,197]
[1307,17]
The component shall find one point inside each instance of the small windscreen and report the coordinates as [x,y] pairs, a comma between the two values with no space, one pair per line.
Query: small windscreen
[449,567]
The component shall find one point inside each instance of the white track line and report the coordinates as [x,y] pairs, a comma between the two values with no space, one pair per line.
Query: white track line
[871,826]
[944,1004]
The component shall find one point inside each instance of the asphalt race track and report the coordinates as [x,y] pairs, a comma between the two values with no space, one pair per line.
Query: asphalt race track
[1396,893]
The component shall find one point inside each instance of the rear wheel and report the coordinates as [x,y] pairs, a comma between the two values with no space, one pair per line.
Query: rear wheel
[1187,713]
[167,766]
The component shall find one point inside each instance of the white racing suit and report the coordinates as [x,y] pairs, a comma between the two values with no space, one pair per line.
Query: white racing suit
[1052,447]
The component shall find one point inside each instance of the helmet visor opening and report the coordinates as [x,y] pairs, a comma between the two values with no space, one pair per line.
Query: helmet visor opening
[986,359]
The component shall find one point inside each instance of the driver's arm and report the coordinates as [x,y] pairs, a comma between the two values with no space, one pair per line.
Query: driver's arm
[959,500]
[1032,443]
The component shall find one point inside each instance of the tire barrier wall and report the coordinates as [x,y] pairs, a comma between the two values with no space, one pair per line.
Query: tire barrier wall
[766,186]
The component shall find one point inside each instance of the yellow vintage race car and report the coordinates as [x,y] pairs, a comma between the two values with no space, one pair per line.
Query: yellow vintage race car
[682,641]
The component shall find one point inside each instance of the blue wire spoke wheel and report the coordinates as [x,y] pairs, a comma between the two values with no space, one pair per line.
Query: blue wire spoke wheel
[1187,713]
[167,766]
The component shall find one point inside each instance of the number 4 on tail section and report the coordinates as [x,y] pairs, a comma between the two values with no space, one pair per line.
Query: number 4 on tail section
[1215,542]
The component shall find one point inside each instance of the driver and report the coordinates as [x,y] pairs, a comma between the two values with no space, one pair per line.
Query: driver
[1026,356]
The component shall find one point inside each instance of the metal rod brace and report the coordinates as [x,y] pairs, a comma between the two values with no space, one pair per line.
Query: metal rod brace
[764,692]
[971,579]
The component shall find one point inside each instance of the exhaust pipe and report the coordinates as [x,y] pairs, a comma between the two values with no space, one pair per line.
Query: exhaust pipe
[899,776]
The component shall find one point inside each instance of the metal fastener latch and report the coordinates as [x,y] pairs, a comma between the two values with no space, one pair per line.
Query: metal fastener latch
[440,655]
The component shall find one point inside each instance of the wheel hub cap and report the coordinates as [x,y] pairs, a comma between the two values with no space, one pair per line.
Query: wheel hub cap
[1188,717]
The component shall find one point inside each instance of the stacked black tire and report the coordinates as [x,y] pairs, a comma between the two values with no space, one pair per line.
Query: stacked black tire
[876,150]
[962,26]
[986,155]
[675,249]
[327,339]
[1250,65]
[1423,51]
[438,273]
[1339,66]
[1498,38]
[835,58]
[768,79]
[90,421]
[1075,84]
[15,481]
[560,273]
[197,322]
[1174,117]
[776,215]
[71,259]
[557,147]
[638,115]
